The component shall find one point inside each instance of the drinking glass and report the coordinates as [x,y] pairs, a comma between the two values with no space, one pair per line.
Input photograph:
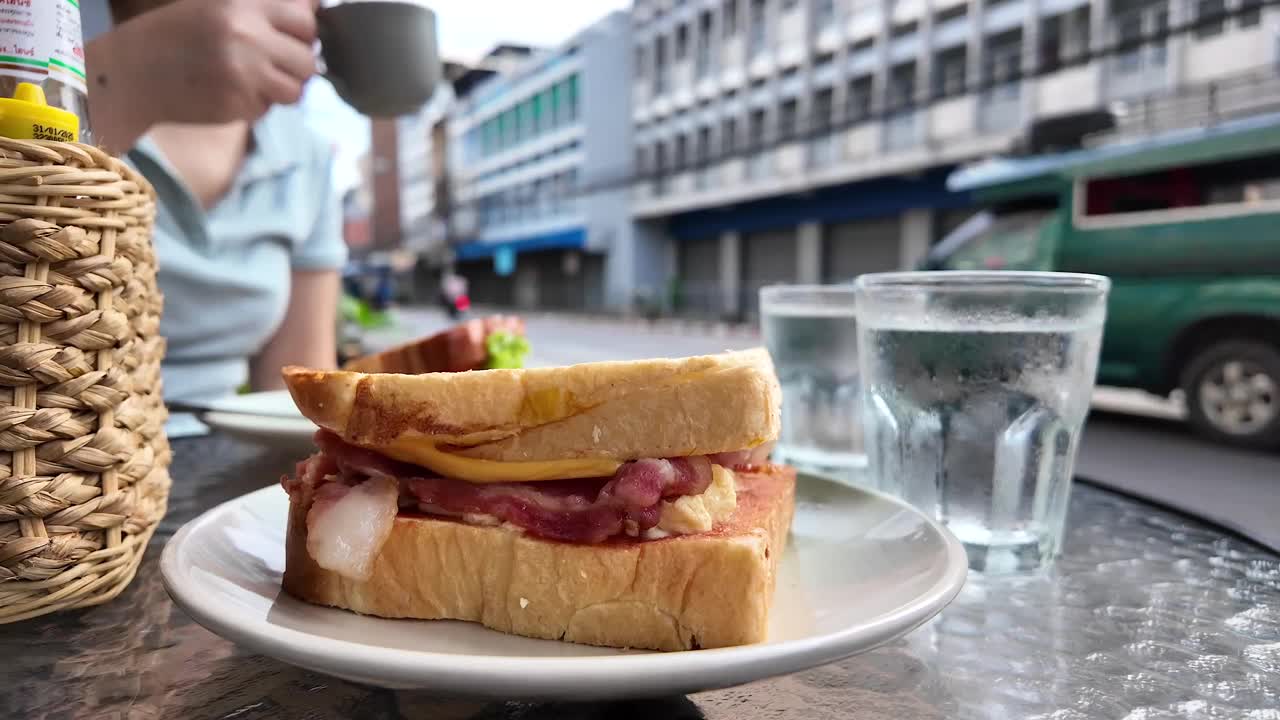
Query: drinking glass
[811,332]
[976,387]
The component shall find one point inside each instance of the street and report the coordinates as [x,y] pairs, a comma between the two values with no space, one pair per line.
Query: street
[1131,443]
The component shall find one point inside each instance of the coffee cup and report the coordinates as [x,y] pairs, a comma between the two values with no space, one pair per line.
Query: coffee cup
[380,55]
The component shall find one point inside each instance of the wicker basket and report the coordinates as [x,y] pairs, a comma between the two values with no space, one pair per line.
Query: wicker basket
[83,458]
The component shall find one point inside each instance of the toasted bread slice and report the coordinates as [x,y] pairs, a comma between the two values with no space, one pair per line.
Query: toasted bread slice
[678,593]
[616,410]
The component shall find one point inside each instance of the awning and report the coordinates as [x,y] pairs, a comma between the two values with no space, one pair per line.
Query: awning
[572,239]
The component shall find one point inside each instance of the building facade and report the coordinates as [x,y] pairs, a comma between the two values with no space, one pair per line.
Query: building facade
[543,154]
[809,140]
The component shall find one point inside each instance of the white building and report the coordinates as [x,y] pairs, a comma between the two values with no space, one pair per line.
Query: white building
[809,140]
[538,155]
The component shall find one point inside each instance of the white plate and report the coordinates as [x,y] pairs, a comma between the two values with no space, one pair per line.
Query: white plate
[264,418]
[860,569]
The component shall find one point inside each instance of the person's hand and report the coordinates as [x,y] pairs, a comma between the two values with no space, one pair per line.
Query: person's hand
[228,60]
[201,62]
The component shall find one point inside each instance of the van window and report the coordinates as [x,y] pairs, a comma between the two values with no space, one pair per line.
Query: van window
[1245,184]
[998,241]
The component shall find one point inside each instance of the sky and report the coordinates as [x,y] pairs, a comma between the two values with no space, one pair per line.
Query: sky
[466,30]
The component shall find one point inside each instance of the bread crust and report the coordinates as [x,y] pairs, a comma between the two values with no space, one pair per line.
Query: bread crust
[679,593]
[604,410]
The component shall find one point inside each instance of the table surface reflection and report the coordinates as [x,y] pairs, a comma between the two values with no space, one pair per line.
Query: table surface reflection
[1148,615]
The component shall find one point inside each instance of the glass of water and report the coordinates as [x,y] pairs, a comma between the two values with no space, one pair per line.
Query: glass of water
[976,387]
[811,332]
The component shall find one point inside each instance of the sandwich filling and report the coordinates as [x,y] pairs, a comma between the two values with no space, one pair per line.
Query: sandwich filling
[353,496]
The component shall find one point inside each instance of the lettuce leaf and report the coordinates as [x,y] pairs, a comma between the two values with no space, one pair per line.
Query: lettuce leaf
[506,350]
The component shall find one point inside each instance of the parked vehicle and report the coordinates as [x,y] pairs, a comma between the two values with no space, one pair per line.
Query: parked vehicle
[1187,225]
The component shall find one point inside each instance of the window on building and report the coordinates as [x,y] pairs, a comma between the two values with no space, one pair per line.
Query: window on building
[952,13]
[903,30]
[659,167]
[730,11]
[536,111]
[729,136]
[555,107]
[824,14]
[524,121]
[503,132]
[759,27]
[1250,184]
[660,65]
[571,97]
[681,159]
[862,45]
[1002,66]
[787,116]
[901,91]
[949,70]
[704,43]
[859,99]
[823,108]
[1210,18]
[1064,38]
[682,42]
[755,131]
[641,57]
[790,5]
[702,149]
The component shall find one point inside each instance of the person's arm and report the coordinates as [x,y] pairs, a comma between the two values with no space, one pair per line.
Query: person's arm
[115,100]
[308,335]
[195,61]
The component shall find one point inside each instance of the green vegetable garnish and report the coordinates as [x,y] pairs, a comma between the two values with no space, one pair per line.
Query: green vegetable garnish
[506,350]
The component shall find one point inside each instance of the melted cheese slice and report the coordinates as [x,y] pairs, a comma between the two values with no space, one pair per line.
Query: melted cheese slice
[450,465]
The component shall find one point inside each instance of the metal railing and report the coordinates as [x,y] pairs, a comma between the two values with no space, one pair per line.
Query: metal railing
[1198,105]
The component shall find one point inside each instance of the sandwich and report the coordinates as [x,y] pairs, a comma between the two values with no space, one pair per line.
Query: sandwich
[480,344]
[624,504]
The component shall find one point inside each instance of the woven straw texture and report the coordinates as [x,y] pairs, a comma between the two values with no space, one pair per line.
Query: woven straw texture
[83,458]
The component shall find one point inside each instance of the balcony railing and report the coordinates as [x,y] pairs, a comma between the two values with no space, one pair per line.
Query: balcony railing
[823,150]
[902,130]
[1000,109]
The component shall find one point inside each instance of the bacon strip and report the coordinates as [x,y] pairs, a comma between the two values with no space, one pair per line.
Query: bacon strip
[580,511]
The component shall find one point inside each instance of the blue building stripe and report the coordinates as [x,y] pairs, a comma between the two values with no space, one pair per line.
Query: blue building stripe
[572,239]
[855,201]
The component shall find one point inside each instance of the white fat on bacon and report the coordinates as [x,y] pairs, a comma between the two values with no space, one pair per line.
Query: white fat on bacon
[347,526]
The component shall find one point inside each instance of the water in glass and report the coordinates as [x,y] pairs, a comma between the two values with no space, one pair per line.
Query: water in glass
[815,351]
[979,423]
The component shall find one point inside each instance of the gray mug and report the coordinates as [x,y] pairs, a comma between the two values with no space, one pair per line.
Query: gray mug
[380,55]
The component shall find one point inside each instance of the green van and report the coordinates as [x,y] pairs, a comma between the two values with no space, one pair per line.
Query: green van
[1187,226]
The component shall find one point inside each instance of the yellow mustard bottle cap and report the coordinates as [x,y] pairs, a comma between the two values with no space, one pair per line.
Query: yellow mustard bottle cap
[28,116]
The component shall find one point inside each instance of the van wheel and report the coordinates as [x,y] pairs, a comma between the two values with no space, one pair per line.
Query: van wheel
[1233,392]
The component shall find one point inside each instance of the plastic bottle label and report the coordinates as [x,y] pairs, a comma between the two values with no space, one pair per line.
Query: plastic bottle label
[66,60]
[26,37]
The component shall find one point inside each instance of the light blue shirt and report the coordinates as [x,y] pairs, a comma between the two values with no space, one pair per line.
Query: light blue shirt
[225,272]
